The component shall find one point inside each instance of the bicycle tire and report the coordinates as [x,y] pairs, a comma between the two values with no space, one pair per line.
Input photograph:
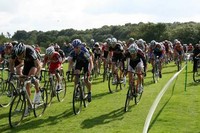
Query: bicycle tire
[128,99]
[112,87]
[48,86]
[104,75]
[62,93]
[139,95]
[39,108]
[17,109]
[77,100]
[196,76]
[155,74]
[6,93]
[85,96]
[123,83]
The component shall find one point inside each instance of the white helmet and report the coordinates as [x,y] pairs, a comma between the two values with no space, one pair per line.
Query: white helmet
[50,50]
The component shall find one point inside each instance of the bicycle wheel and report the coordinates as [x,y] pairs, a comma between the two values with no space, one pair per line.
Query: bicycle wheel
[39,108]
[138,96]
[85,96]
[77,99]
[6,93]
[62,93]
[178,65]
[104,75]
[112,83]
[196,76]
[17,109]
[155,75]
[128,99]
[123,82]
[48,87]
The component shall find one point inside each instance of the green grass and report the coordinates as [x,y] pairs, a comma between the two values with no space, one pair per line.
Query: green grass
[178,110]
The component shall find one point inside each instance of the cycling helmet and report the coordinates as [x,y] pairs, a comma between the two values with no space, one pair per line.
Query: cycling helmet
[14,43]
[8,45]
[96,44]
[56,46]
[175,40]
[140,41]
[178,42]
[153,42]
[158,45]
[76,43]
[92,40]
[131,40]
[19,48]
[84,44]
[133,49]
[113,41]
[108,40]
[50,50]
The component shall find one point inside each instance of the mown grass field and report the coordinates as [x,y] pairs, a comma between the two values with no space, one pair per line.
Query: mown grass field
[177,112]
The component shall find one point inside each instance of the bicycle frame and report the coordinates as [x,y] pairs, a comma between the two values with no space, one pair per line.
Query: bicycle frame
[79,94]
[156,69]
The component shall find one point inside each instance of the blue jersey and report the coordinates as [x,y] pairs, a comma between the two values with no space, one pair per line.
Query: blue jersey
[83,56]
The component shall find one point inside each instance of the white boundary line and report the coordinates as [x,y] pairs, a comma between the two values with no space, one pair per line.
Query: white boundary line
[157,100]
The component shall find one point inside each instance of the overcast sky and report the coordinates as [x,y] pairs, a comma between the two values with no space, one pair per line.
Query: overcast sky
[46,15]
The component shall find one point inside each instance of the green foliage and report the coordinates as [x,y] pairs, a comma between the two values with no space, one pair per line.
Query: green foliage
[186,32]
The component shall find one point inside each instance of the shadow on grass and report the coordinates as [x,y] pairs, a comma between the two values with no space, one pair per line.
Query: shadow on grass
[148,83]
[31,122]
[193,84]
[160,111]
[99,95]
[169,72]
[115,115]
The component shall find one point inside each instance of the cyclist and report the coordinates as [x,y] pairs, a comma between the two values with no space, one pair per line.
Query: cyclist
[97,56]
[159,51]
[83,60]
[190,48]
[178,51]
[117,56]
[196,53]
[130,41]
[6,55]
[140,44]
[60,51]
[105,49]
[32,67]
[54,61]
[136,61]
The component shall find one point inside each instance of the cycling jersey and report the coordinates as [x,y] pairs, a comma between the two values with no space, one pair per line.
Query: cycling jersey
[82,59]
[30,57]
[55,62]
[117,52]
[139,57]
[97,52]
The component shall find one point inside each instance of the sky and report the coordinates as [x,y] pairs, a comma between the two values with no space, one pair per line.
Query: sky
[47,15]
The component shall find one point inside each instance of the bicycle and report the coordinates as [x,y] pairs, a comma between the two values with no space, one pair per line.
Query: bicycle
[70,77]
[80,96]
[51,86]
[5,88]
[156,70]
[106,71]
[196,73]
[22,99]
[117,79]
[133,92]
[178,62]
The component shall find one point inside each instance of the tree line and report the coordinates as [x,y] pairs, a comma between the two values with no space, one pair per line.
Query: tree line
[188,32]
